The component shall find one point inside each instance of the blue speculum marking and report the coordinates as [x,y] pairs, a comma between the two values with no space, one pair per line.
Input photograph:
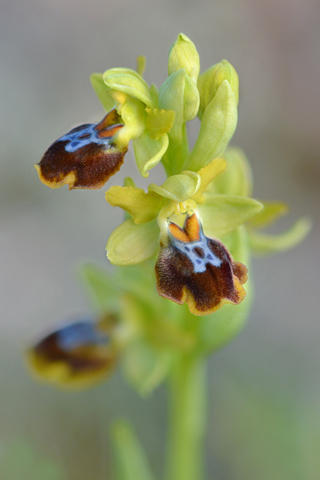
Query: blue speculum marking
[208,257]
[80,334]
[75,142]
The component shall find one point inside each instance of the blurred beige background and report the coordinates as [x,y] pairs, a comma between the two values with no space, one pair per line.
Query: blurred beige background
[264,387]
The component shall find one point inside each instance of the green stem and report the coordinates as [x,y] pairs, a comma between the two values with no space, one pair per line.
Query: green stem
[176,153]
[187,419]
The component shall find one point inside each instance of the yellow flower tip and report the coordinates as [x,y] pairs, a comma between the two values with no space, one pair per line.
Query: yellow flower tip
[86,157]
[197,270]
[78,355]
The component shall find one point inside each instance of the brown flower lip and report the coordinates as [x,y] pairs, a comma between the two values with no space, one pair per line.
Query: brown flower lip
[85,157]
[198,270]
[83,348]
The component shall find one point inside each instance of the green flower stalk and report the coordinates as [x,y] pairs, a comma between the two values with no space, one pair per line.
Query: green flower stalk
[182,286]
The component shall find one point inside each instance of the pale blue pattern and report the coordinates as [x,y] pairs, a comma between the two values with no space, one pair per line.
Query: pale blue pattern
[75,143]
[199,264]
[79,334]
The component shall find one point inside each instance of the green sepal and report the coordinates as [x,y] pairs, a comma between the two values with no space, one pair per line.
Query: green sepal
[221,214]
[264,244]
[207,175]
[142,206]
[219,328]
[148,152]
[129,82]
[178,188]
[101,91]
[132,243]
[130,460]
[159,122]
[145,367]
[210,80]
[217,127]
[179,93]
[99,284]
[237,178]
[270,213]
[183,54]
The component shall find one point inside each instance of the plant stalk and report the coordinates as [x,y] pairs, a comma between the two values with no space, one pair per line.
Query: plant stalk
[187,419]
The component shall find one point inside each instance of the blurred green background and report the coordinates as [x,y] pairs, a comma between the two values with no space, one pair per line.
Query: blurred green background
[264,420]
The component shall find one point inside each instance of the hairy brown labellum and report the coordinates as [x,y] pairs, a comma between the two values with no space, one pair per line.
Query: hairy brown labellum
[86,157]
[198,270]
[79,352]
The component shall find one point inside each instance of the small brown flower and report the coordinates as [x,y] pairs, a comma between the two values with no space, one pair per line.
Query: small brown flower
[86,157]
[77,355]
[198,270]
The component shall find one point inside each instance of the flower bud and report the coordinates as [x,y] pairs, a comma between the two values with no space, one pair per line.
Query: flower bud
[179,93]
[210,80]
[183,54]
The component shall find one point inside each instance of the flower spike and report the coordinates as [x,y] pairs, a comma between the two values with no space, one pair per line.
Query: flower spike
[86,157]
[198,270]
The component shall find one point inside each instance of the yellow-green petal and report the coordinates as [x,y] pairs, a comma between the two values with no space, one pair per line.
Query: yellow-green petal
[101,91]
[142,206]
[270,213]
[178,188]
[132,243]
[133,114]
[141,64]
[217,127]
[130,83]
[210,80]
[237,178]
[264,244]
[159,122]
[221,214]
[183,54]
[207,175]
[148,152]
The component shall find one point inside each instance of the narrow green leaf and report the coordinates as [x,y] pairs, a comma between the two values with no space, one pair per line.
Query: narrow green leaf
[130,459]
